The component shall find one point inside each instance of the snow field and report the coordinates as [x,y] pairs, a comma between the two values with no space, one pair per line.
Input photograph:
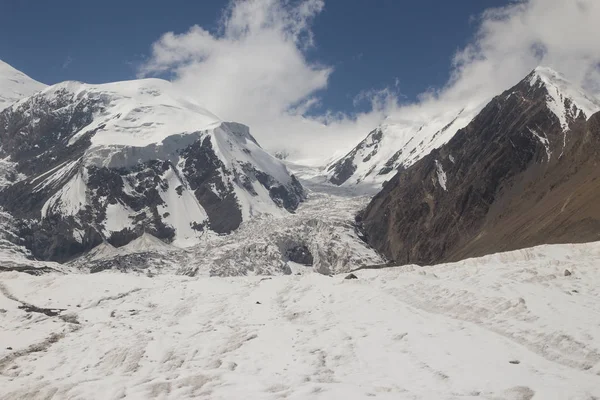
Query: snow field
[507,326]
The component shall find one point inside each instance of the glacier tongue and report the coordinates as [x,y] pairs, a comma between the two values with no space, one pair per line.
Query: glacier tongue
[322,229]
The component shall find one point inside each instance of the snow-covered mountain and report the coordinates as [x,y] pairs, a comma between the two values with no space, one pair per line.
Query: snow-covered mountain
[398,144]
[395,145]
[14,85]
[524,172]
[86,163]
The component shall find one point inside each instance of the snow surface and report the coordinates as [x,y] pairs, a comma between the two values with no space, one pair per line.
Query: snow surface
[145,243]
[15,85]
[441,175]
[137,112]
[506,326]
[543,140]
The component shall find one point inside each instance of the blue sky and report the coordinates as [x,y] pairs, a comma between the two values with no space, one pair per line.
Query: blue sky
[369,43]
[369,61]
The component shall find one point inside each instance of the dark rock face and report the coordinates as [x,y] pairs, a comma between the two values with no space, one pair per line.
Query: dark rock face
[343,170]
[37,133]
[52,238]
[202,170]
[288,197]
[301,255]
[389,165]
[35,136]
[345,167]
[511,179]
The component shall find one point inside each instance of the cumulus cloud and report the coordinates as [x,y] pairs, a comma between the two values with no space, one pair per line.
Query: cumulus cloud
[509,43]
[256,63]
[513,40]
[255,70]
[67,62]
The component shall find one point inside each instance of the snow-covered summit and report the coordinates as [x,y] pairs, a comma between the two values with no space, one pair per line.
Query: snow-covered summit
[565,99]
[134,113]
[14,85]
[396,144]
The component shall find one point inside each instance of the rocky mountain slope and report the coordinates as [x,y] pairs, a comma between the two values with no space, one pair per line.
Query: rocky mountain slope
[85,164]
[524,172]
[14,85]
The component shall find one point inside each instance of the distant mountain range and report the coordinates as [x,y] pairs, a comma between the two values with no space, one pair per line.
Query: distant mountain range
[394,146]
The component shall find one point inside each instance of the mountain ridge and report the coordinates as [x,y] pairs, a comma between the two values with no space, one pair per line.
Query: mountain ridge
[399,143]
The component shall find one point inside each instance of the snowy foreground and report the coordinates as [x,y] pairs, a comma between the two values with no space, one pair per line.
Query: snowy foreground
[507,326]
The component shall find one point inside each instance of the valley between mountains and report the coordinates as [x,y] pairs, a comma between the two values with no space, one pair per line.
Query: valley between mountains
[150,250]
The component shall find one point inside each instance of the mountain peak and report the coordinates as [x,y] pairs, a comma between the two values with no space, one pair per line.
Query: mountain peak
[564,98]
[15,85]
[547,72]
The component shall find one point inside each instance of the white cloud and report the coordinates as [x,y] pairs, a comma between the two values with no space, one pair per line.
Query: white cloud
[255,69]
[509,43]
[512,40]
[67,62]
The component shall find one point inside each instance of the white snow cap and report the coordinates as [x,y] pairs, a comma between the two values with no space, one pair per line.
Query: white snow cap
[559,91]
[15,85]
[138,112]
